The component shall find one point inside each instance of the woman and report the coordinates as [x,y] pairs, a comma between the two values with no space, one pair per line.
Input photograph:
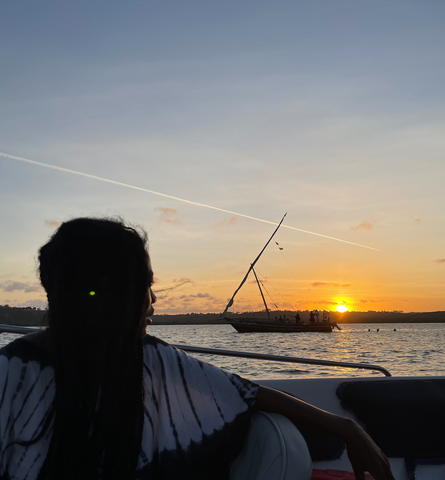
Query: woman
[94,397]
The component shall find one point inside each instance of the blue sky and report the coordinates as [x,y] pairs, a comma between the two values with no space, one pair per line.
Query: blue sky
[330,110]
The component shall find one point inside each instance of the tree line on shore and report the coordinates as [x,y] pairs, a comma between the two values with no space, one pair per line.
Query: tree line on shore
[28,316]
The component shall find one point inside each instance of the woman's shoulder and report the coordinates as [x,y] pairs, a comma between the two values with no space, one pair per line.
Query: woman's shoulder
[154,342]
[163,357]
[27,351]
[158,351]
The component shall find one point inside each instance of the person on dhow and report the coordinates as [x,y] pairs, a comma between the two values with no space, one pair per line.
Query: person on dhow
[312,317]
[94,397]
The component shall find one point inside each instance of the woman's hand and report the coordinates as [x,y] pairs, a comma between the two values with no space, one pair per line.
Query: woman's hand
[365,455]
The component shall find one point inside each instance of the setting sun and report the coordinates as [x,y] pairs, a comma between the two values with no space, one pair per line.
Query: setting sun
[342,308]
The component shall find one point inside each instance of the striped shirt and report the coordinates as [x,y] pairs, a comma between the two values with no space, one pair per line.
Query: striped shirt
[195,415]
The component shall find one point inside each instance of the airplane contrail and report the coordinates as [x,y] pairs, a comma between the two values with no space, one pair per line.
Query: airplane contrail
[114,182]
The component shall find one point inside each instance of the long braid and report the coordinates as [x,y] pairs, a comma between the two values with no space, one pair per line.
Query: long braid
[96,276]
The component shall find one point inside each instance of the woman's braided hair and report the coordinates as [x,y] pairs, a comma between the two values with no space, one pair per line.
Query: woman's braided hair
[96,275]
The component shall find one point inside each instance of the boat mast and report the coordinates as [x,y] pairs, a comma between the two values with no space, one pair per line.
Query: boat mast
[251,267]
[261,291]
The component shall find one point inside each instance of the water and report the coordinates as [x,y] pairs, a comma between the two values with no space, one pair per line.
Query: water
[414,349]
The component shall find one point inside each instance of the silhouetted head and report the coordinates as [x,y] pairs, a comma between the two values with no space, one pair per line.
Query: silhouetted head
[95,268]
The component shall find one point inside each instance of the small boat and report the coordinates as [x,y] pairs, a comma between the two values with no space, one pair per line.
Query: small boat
[258,325]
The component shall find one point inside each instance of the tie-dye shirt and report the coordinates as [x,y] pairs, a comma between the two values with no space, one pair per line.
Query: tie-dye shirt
[195,415]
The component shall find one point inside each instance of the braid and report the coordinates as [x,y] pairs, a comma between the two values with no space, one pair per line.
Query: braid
[96,277]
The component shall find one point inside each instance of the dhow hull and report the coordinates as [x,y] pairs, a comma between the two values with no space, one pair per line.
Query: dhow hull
[246,326]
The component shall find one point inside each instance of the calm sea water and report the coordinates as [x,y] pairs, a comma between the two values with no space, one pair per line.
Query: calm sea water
[413,349]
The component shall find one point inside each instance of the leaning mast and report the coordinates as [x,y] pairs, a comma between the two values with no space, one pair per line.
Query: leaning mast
[250,269]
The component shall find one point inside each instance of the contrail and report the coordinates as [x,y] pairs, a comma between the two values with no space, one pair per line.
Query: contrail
[114,182]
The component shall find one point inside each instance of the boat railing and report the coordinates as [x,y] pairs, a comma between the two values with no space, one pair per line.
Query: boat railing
[232,353]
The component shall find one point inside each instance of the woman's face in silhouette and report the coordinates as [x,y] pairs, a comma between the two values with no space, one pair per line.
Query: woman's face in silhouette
[150,299]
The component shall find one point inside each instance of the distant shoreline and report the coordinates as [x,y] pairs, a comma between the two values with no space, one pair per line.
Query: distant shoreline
[348,317]
[29,317]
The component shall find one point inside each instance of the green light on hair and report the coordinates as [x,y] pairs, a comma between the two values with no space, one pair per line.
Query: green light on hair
[92,293]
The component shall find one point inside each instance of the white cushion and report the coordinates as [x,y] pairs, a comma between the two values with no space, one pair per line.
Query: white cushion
[274,449]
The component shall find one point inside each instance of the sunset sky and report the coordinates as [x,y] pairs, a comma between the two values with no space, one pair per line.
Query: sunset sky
[332,111]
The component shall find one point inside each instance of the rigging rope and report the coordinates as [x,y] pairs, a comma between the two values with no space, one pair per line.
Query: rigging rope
[271,299]
[290,270]
[265,279]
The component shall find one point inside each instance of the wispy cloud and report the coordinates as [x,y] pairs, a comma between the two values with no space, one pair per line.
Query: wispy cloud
[331,284]
[10,286]
[326,302]
[365,225]
[52,223]
[228,221]
[6,275]
[262,280]
[202,302]
[365,300]
[168,215]
[37,302]
[198,295]
[439,260]
[163,292]
[204,295]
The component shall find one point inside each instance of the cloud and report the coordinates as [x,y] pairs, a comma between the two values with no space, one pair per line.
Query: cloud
[439,260]
[326,302]
[261,280]
[52,223]
[417,221]
[34,303]
[197,295]
[177,283]
[203,295]
[168,215]
[365,225]
[202,302]
[321,284]
[365,300]
[228,221]
[6,275]
[10,286]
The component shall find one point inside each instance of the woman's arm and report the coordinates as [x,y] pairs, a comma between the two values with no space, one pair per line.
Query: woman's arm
[363,453]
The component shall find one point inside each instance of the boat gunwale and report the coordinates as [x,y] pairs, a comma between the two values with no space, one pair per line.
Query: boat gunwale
[232,353]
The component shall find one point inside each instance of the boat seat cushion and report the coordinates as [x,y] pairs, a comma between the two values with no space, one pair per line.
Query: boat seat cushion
[322,445]
[406,418]
[274,449]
